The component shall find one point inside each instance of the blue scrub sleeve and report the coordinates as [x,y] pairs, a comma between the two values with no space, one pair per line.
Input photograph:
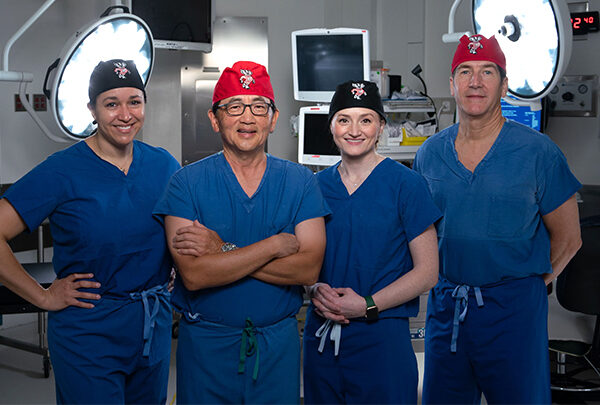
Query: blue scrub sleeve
[416,164]
[556,183]
[313,204]
[417,209]
[177,199]
[37,194]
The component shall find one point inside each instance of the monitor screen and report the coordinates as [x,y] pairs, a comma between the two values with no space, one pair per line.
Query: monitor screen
[522,114]
[323,58]
[315,143]
[178,24]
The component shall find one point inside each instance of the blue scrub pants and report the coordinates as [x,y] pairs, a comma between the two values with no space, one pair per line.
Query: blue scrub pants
[209,371]
[501,347]
[98,354]
[375,364]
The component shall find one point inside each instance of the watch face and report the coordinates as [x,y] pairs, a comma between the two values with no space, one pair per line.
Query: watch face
[228,247]
[372,313]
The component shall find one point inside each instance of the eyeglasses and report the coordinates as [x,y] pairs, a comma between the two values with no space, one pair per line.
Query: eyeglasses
[236,108]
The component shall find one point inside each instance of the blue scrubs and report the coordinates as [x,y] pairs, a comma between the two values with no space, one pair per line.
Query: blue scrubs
[224,319]
[367,249]
[494,249]
[101,223]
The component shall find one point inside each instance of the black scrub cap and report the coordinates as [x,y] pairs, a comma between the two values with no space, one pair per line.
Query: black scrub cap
[112,74]
[356,93]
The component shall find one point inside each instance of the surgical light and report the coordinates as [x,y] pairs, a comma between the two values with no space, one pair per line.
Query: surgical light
[536,38]
[116,36]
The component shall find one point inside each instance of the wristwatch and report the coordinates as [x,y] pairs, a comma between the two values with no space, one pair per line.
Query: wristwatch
[372,310]
[228,246]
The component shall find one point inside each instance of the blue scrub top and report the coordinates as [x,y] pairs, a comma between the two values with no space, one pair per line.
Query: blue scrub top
[492,228]
[368,232]
[209,191]
[101,219]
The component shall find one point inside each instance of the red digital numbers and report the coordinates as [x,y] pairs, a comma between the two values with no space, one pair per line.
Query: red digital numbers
[585,22]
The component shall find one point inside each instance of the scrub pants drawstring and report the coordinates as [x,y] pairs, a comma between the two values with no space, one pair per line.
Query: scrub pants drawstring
[335,334]
[461,296]
[158,293]
[248,348]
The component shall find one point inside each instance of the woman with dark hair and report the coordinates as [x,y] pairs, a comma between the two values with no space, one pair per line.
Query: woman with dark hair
[381,255]
[109,317]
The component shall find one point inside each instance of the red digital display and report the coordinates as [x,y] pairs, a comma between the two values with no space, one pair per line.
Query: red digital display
[585,22]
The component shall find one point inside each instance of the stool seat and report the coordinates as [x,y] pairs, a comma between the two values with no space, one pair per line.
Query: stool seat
[569,347]
[575,364]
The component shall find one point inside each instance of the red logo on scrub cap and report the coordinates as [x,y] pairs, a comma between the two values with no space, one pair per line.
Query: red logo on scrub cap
[246,78]
[358,90]
[475,44]
[121,70]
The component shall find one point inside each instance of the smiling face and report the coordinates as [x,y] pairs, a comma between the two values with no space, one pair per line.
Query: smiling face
[356,131]
[477,87]
[246,133]
[119,113]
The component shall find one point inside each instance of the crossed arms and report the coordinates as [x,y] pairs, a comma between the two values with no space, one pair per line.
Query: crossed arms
[283,259]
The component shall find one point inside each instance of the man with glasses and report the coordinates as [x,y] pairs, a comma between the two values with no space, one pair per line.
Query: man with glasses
[246,232]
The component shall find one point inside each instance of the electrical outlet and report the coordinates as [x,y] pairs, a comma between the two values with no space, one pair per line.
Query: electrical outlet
[39,102]
[445,105]
[19,104]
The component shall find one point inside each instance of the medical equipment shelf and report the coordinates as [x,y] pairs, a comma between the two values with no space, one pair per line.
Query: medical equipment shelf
[395,106]
[404,152]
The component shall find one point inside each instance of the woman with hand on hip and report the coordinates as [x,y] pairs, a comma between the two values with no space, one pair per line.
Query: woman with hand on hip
[109,317]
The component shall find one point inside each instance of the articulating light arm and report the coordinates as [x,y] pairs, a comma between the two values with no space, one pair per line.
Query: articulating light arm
[23,77]
[5,74]
[452,36]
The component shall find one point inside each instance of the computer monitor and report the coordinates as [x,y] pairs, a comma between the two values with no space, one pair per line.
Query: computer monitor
[522,114]
[178,24]
[315,142]
[323,58]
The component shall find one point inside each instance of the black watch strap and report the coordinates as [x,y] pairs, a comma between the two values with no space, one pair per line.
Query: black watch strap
[372,310]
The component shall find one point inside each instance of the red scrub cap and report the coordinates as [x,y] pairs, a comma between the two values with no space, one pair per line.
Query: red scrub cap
[243,78]
[478,47]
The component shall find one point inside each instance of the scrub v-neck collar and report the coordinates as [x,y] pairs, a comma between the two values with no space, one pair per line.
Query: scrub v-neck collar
[463,171]
[113,167]
[338,178]
[247,201]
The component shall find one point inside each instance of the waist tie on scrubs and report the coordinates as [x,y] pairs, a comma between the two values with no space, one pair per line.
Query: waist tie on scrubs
[248,348]
[158,293]
[461,296]
[335,334]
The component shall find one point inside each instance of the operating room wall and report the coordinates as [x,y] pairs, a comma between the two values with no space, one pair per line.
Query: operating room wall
[22,144]
[578,137]
[403,33]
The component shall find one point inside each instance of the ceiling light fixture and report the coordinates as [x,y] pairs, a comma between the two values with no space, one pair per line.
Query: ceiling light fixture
[113,36]
[535,35]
